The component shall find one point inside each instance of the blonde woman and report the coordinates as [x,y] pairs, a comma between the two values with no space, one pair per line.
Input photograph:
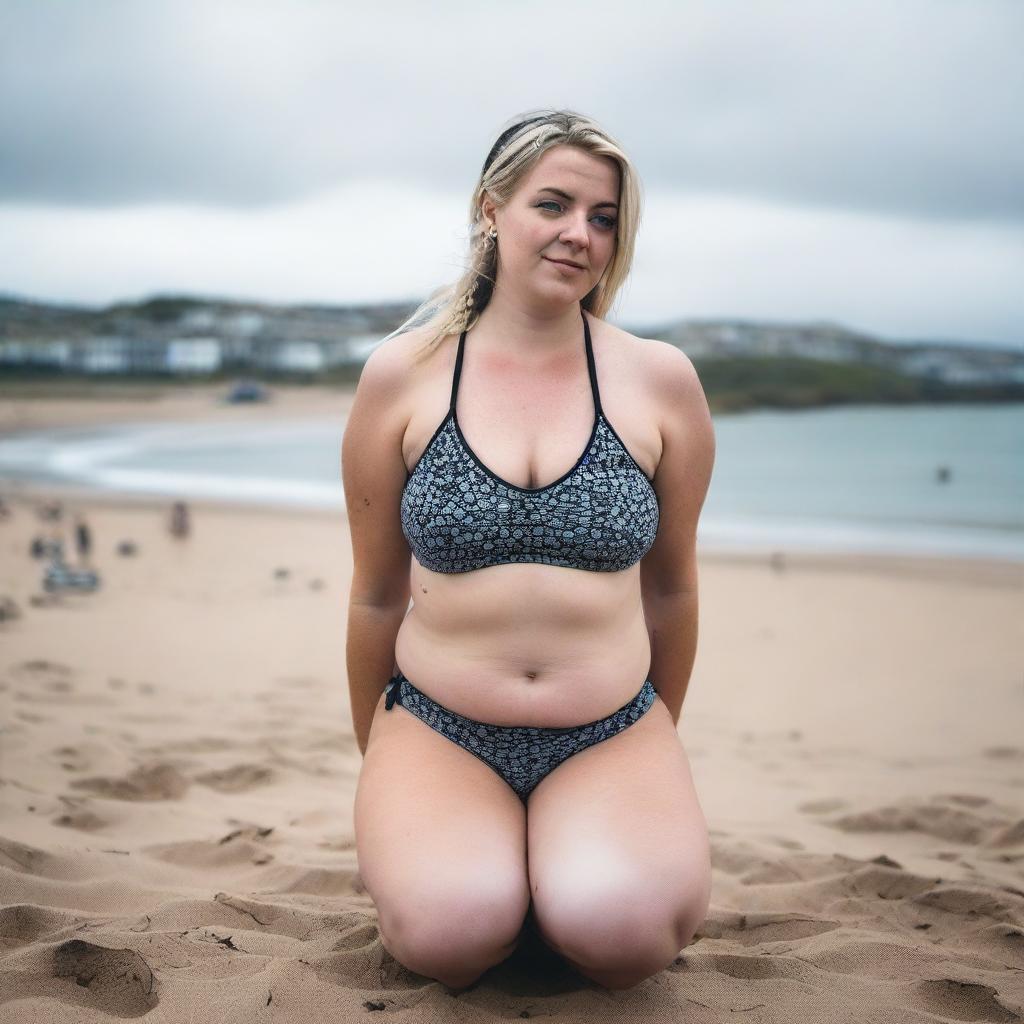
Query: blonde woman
[531,477]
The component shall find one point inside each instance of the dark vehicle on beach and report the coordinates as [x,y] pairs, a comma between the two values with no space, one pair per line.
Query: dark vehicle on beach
[247,391]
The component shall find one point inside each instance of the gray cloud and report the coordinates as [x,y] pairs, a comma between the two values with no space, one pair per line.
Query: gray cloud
[909,108]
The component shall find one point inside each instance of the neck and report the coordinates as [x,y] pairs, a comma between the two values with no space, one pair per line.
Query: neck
[537,331]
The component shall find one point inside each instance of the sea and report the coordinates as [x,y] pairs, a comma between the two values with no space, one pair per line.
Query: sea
[945,480]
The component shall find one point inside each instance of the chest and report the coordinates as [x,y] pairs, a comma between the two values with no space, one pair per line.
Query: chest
[529,429]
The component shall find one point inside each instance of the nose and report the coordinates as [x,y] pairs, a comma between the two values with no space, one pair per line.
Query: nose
[575,231]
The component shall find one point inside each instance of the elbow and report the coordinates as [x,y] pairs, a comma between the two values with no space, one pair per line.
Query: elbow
[381,593]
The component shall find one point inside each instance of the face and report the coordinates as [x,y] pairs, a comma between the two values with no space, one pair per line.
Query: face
[564,209]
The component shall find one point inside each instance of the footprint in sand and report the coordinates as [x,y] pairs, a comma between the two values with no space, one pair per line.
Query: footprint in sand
[240,845]
[79,815]
[1005,941]
[42,669]
[236,779]
[119,979]
[31,718]
[961,1000]
[944,816]
[978,904]
[821,806]
[42,676]
[876,880]
[146,782]
[22,924]
[1004,753]
[71,758]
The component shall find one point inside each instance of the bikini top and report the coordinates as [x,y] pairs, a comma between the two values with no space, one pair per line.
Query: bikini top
[601,515]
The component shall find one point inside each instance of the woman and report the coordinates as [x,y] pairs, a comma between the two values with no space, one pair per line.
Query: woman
[512,763]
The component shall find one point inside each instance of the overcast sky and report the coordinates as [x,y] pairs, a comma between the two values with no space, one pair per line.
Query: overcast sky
[861,163]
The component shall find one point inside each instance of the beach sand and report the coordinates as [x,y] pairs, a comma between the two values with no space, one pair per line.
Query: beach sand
[177,772]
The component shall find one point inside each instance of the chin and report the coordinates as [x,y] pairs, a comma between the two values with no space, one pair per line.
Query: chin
[566,286]
[561,295]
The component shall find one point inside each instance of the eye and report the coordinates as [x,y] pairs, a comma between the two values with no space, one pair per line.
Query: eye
[609,221]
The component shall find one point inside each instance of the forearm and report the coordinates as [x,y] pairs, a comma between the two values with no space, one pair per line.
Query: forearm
[672,625]
[370,660]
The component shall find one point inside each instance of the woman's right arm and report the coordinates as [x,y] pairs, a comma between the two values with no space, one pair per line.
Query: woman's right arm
[373,474]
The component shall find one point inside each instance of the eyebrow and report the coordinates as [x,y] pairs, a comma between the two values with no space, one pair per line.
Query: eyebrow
[565,195]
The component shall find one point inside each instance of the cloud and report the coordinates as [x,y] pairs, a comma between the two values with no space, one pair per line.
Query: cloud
[906,108]
[800,158]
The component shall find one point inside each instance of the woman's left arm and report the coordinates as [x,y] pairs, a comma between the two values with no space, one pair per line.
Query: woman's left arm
[668,572]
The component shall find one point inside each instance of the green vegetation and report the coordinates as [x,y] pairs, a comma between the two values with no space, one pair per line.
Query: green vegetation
[789,382]
[159,309]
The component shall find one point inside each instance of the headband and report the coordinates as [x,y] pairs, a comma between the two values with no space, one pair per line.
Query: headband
[505,136]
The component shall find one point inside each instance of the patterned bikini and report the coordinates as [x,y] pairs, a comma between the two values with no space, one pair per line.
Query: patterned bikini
[601,515]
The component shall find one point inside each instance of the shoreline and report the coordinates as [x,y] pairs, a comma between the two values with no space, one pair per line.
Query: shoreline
[292,404]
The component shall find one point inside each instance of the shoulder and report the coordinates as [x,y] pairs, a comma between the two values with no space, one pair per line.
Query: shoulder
[393,358]
[676,396]
[393,367]
[668,373]
[672,375]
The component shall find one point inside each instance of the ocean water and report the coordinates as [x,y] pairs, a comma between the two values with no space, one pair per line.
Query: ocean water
[863,478]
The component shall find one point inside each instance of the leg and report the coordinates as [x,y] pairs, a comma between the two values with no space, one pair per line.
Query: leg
[441,845]
[618,854]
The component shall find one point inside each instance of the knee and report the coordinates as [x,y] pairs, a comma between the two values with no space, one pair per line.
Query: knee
[456,935]
[617,946]
[621,939]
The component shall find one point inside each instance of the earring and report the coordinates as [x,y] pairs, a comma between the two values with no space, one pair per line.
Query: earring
[493,233]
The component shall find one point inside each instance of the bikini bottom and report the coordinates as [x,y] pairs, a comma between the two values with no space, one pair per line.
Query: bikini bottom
[521,754]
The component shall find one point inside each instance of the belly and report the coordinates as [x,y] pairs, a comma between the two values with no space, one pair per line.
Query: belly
[526,644]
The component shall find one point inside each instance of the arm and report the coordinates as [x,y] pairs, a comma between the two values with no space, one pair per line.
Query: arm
[668,572]
[373,474]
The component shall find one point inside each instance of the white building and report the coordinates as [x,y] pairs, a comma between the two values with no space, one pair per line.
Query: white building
[193,355]
[102,355]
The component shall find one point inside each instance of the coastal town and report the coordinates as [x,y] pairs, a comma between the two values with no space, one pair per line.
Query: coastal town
[181,336]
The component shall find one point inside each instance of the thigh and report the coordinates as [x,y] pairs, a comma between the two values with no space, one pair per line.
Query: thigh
[437,831]
[619,825]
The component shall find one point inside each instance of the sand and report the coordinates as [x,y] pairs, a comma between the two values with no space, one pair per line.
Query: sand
[177,773]
[179,403]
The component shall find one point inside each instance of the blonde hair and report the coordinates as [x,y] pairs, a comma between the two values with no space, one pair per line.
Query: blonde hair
[455,307]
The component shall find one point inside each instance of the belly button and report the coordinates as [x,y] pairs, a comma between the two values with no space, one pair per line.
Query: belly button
[531,675]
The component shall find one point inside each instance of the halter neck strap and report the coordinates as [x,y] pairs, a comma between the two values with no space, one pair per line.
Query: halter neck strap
[591,366]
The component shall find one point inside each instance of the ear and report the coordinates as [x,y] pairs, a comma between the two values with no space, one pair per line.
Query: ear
[487,207]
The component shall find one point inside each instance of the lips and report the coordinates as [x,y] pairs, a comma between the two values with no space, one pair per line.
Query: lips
[568,263]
